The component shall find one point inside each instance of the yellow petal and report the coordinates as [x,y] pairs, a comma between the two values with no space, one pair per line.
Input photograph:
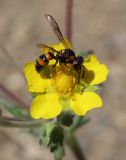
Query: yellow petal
[95,72]
[45,106]
[81,104]
[36,81]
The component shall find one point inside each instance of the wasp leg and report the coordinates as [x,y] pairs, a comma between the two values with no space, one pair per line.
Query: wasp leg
[83,70]
[79,72]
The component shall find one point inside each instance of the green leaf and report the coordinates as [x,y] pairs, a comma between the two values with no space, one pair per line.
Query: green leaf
[59,153]
[52,135]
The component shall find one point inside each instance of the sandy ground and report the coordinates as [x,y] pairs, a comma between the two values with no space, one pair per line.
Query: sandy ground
[97,24]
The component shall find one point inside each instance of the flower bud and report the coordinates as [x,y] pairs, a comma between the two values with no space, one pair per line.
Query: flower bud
[66,118]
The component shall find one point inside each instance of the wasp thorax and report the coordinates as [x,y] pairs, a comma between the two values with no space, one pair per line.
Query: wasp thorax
[63,82]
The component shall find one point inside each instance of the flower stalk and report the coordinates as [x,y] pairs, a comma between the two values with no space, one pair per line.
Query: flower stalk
[75,147]
[12,122]
[14,97]
[69,7]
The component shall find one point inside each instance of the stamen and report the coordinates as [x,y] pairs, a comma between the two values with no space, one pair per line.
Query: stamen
[63,82]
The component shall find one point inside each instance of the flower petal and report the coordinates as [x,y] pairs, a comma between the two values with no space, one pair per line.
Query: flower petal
[95,72]
[81,104]
[45,106]
[36,81]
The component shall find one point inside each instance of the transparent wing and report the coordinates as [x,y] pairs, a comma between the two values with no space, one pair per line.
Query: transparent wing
[42,45]
[56,30]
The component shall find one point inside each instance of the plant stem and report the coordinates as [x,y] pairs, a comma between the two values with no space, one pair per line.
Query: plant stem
[12,122]
[3,88]
[12,59]
[57,158]
[14,97]
[69,5]
[75,147]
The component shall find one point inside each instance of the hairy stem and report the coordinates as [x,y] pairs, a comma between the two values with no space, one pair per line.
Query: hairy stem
[14,97]
[12,122]
[11,58]
[75,147]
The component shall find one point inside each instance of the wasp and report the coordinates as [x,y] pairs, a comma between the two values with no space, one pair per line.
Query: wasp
[64,57]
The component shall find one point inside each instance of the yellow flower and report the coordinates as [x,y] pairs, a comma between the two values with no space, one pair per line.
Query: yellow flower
[57,90]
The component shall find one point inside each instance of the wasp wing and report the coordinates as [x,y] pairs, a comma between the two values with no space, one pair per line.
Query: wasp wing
[56,30]
[44,46]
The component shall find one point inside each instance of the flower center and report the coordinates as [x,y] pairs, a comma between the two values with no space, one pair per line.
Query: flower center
[64,83]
